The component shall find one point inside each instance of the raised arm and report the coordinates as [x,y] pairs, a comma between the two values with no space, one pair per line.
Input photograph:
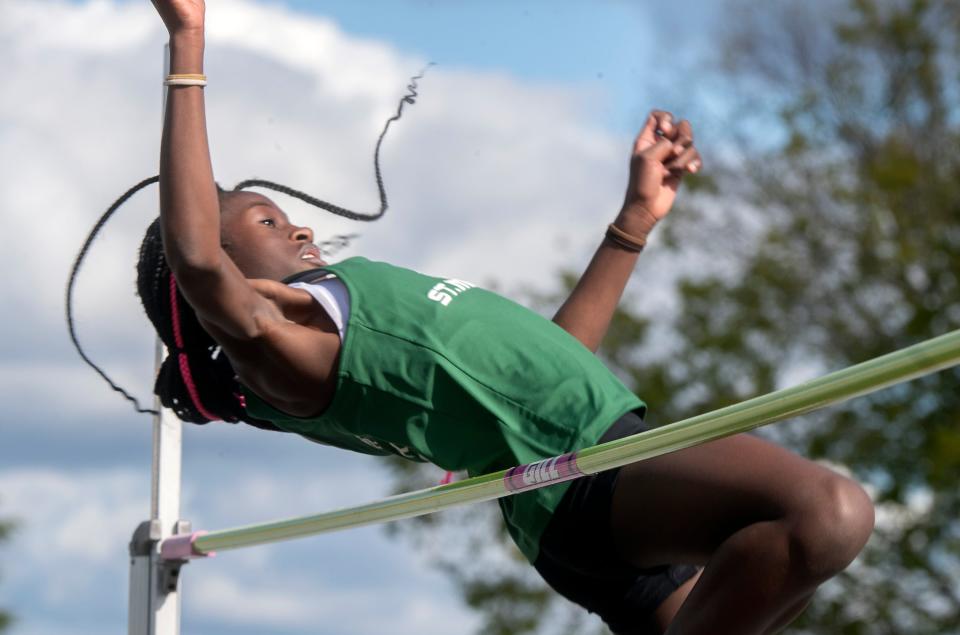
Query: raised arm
[662,154]
[189,205]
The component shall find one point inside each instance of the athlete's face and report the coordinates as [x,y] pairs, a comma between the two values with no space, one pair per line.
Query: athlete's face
[262,241]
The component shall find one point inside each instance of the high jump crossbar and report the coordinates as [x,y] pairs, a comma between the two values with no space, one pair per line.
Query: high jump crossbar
[909,363]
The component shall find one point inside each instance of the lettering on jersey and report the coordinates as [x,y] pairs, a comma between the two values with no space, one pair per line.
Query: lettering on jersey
[555,470]
[408,453]
[405,451]
[444,292]
[371,442]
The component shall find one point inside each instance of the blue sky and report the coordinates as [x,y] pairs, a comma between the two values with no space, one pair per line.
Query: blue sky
[626,48]
[632,51]
[508,168]
[536,41]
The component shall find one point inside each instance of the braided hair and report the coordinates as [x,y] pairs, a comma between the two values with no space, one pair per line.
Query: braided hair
[196,380]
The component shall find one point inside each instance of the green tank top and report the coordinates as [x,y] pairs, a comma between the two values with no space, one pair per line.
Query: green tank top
[439,370]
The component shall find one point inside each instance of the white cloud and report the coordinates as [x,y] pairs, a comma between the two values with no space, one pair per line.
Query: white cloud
[59,393]
[237,601]
[342,66]
[71,536]
[98,26]
[73,530]
[271,601]
[270,493]
[74,517]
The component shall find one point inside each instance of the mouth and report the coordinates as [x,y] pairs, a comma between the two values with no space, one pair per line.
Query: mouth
[311,253]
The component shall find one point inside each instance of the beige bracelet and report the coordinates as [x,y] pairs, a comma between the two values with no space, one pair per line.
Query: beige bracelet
[625,240]
[186,79]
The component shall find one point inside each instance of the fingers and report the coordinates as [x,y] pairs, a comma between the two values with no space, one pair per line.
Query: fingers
[687,161]
[661,151]
[687,157]
[665,127]
[683,134]
[659,125]
[648,135]
[669,142]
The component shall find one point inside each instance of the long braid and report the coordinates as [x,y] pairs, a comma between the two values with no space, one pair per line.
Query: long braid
[195,380]
[409,98]
[73,278]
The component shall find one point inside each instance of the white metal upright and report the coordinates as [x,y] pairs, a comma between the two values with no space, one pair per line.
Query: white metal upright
[154,603]
[154,606]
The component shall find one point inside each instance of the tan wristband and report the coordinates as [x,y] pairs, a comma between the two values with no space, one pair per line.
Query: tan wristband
[186,79]
[625,240]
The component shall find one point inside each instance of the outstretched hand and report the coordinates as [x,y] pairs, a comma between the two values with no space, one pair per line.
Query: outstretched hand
[662,153]
[181,16]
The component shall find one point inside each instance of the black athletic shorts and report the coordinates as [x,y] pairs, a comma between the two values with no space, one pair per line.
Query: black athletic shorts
[579,560]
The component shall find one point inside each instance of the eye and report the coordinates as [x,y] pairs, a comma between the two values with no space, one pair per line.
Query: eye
[269,222]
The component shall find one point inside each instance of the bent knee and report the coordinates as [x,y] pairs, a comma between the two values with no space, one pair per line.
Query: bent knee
[832,527]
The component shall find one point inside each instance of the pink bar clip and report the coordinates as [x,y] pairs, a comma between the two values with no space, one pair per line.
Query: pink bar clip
[181,547]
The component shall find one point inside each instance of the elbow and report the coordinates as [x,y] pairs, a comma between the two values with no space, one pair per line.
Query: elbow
[190,253]
[586,336]
[196,275]
[194,266]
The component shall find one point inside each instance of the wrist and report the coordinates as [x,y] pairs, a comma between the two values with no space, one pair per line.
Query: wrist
[624,240]
[186,51]
[636,220]
[188,37]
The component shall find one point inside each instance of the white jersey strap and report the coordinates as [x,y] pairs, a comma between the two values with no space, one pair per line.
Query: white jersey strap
[332,296]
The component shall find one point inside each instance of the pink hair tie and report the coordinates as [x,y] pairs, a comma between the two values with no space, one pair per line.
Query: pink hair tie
[182,359]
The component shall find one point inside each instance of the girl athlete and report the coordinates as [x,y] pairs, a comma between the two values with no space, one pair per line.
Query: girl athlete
[730,537]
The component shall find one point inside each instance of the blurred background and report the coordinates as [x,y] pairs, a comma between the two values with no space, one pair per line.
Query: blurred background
[824,230]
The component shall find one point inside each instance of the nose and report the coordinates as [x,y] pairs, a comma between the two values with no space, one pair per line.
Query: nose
[302,235]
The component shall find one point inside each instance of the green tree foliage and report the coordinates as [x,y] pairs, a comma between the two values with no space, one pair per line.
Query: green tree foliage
[853,250]
[828,233]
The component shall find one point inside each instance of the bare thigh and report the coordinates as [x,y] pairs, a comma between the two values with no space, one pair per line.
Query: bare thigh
[678,508]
